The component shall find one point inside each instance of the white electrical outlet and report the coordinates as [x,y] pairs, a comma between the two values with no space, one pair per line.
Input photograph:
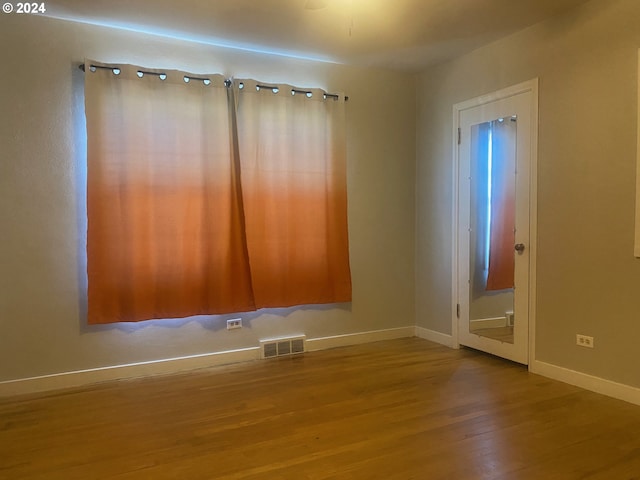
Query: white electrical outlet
[234,323]
[584,341]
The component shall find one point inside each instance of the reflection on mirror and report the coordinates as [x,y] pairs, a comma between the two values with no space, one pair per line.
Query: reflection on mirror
[492,229]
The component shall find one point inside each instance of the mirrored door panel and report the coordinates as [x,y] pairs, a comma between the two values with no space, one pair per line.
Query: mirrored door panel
[492,228]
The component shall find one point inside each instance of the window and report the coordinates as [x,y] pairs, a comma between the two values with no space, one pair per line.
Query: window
[493,194]
[206,199]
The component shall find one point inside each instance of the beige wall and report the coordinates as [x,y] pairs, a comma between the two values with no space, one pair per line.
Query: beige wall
[587,278]
[42,215]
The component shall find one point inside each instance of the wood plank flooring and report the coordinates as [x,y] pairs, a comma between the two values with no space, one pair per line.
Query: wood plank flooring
[401,409]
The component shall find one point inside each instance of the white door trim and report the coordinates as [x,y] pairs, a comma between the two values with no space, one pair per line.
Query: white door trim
[531,87]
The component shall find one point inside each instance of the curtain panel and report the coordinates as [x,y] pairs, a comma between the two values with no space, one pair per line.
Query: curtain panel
[292,147]
[479,217]
[180,223]
[503,216]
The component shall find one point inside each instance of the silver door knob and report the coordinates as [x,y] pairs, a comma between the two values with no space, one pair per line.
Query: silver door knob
[519,247]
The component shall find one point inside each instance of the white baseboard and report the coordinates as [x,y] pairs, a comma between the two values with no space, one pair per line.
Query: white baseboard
[495,322]
[176,365]
[315,344]
[433,336]
[120,372]
[588,382]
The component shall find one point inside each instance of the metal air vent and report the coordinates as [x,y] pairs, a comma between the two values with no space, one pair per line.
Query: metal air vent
[282,346]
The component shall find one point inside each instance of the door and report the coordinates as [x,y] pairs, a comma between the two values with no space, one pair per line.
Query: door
[494,161]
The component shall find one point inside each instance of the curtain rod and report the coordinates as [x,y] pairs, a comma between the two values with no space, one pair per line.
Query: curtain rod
[227,82]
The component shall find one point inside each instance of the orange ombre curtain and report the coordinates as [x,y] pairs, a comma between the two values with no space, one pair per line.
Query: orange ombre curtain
[165,233]
[503,218]
[293,158]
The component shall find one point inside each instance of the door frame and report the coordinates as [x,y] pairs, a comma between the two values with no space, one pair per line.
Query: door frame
[530,87]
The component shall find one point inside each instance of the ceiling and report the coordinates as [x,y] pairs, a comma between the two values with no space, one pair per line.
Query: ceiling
[399,34]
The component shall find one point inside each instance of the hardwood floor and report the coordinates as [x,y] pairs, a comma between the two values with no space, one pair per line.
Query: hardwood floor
[402,409]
